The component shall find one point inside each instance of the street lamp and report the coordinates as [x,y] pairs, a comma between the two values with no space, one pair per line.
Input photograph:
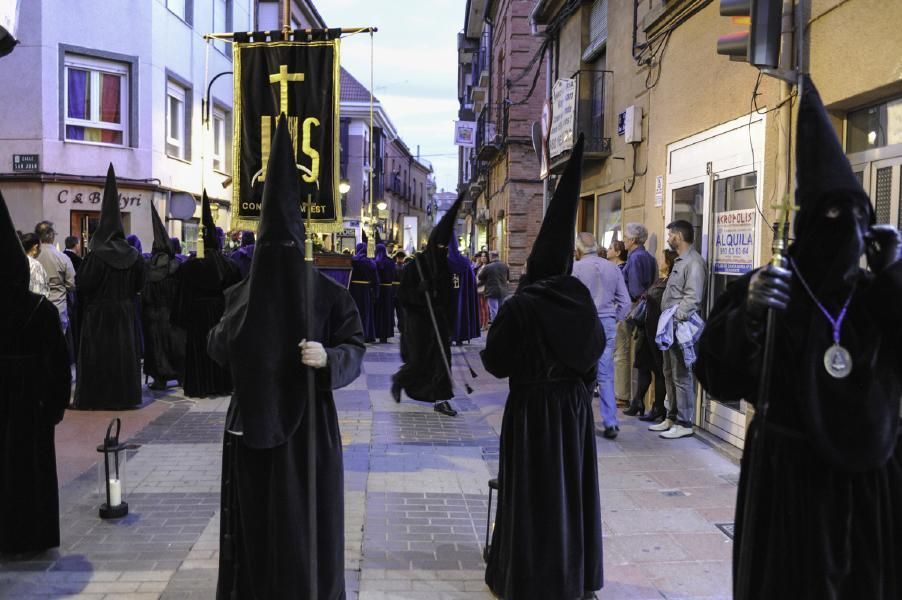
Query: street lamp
[381,205]
[344,186]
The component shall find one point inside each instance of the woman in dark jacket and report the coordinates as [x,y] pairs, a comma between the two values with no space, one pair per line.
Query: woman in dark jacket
[649,358]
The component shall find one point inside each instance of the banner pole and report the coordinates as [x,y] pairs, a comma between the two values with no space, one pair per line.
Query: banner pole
[286,19]
[372,145]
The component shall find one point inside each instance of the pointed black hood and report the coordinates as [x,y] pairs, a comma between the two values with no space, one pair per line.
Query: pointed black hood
[834,210]
[211,237]
[552,251]
[14,270]
[108,241]
[161,241]
[265,313]
[162,262]
[823,172]
[444,229]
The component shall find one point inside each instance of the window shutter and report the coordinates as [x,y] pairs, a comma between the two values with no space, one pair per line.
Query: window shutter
[598,30]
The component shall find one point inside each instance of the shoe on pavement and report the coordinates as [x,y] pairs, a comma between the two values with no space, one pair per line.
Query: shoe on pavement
[662,426]
[445,408]
[653,417]
[676,432]
[610,433]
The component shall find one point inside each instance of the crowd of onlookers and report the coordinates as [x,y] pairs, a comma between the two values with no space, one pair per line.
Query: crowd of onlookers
[651,316]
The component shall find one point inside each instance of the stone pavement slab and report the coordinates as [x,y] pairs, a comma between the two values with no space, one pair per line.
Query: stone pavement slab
[416,485]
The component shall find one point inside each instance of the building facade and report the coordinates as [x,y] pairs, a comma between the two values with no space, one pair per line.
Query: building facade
[134,95]
[688,134]
[400,180]
[499,177]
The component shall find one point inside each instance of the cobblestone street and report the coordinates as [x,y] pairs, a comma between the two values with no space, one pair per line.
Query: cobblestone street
[416,490]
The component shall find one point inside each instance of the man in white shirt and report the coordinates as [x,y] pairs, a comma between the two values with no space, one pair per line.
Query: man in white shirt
[60,272]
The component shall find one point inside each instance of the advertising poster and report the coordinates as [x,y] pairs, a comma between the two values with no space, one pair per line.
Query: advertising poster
[734,241]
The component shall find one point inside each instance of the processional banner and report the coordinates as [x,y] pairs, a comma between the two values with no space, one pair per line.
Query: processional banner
[300,79]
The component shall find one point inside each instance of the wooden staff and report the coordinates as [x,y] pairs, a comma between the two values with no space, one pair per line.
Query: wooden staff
[309,275]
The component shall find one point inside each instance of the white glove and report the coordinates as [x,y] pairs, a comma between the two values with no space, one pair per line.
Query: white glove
[313,354]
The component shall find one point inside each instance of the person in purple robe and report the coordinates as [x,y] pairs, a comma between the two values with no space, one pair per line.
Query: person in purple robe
[465,307]
[385,303]
[135,242]
[364,288]
[177,247]
[243,255]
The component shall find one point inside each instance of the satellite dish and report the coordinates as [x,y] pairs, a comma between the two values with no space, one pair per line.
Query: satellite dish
[181,205]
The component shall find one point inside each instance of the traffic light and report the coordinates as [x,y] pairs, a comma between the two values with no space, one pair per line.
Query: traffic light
[760,45]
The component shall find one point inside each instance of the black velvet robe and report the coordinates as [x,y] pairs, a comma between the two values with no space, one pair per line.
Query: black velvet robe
[264,540]
[424,375]
[364,288]
[164,342]
[547,538]
[199,307]
[109,363]
[826,505]
[384,312]
[35,382]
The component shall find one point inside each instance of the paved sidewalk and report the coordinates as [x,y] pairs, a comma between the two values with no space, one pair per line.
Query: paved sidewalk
[416,486]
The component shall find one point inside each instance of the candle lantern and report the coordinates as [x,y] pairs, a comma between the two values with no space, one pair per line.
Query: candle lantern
[489,521]
[111,474]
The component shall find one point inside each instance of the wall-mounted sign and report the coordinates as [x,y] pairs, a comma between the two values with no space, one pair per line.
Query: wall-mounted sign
[734,241]
[92,197]
[659,190]
[563,98]
[465,134]
[25,162]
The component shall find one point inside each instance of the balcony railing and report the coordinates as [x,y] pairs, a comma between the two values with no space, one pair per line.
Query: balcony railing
[594,116]
[491,128]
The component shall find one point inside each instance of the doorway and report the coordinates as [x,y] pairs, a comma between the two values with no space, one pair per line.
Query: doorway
[83,224]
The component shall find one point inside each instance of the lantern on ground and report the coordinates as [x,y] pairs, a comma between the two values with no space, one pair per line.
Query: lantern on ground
[489,521]
[111,474]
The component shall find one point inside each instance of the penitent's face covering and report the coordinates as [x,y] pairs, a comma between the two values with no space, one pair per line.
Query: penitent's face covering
[833,237]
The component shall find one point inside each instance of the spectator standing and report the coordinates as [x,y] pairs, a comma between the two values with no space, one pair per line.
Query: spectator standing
[639,272]
[37,283]
[612,303]
[72,251]
[649,358]
[684,294]
[481,261]
[494,276]
[60,272]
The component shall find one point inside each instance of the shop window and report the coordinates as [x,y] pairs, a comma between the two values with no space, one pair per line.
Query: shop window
[609,210]
[189,237]
[96,100]
[874,127]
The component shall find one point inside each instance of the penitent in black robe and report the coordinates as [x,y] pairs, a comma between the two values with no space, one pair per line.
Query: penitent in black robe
[364,288]
[424,375]
[199,307]
[164,342]
[826,504]
[384,313]
[35,382]
[264,540]
[109,363]
[547,339]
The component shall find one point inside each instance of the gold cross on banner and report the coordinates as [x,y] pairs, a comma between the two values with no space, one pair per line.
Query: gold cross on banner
[283,78]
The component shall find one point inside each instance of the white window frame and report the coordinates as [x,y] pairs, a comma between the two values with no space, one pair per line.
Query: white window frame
[178,8]
[179,93]
[220,152]
[95,67]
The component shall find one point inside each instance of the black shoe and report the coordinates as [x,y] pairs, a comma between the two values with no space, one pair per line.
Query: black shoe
[445,408]
[608,433]
[654,416]
[632,411]
[396,391]
[158,385]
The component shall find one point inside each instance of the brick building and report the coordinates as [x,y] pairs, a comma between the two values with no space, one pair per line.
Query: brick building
[498,63]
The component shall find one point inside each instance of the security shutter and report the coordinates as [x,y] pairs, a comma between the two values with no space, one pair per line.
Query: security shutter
[598,30]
